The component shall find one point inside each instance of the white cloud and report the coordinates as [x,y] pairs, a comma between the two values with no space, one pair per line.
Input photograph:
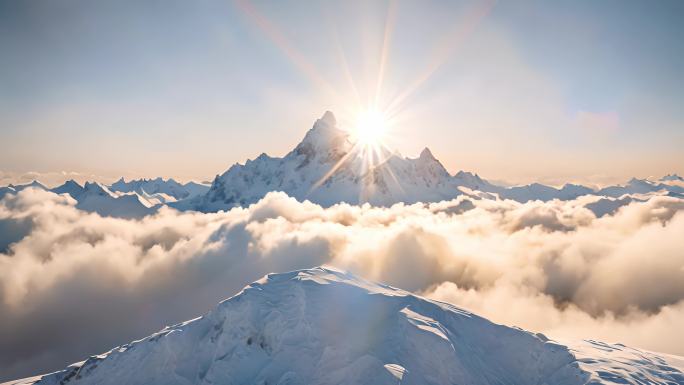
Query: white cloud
[73,284]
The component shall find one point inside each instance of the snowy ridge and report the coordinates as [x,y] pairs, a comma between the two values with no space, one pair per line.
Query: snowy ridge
[71,188]
[134,199]
[98,198]
[324,326]
[12,189]
[155,186]
[671,178]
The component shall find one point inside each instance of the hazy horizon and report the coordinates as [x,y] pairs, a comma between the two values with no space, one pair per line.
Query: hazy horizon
[54,178]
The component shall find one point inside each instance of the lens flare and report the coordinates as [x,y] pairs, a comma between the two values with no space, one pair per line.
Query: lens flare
[371,127]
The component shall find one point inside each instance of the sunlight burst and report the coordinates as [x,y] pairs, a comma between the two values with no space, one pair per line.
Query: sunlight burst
[371,127]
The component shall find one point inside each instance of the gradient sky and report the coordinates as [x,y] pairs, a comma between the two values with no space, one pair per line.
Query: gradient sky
[518,91]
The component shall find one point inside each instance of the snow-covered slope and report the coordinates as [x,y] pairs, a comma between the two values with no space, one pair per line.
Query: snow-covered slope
[327,168]
[13,189]
[538,191]
[96,197]
[194,189]
[168,187]
[70,187]
[475,182]
[34,184]
[638,186]
[323,326]
[672,178]
[154,199]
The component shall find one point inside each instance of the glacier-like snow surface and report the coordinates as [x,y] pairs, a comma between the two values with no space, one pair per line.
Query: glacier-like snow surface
[324,326]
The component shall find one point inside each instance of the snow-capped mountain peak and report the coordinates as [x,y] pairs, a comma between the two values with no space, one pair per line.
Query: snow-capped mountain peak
[475,182]
[97,189]
[13,189]
[326,326]
[324,142]
[672,178]
[326,167]
[70,187]
[426,155]
[158,185]
[33,184]
[97,197]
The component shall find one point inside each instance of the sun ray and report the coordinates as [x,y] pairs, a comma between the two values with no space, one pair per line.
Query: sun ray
[345,69]
[369,124]
[396,181]
[445,49]
[370,127]
[384,53]
[333,169]
[279,40]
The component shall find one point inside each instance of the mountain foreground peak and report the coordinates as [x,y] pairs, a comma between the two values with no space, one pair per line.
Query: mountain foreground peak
[326,326]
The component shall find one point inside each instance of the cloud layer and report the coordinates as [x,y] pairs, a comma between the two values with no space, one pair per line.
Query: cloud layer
[74,284]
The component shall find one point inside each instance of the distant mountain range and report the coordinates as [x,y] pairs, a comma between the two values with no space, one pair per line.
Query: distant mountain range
[133,199]
[326,168]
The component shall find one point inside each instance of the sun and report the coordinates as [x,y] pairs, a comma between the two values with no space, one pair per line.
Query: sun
[371,127]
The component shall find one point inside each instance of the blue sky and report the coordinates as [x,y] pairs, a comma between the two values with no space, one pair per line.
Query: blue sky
[519,91]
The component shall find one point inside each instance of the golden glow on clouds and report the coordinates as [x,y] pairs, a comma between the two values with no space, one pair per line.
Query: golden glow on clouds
[534,265]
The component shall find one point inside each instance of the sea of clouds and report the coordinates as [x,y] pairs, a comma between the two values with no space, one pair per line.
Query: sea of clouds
[74,283]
